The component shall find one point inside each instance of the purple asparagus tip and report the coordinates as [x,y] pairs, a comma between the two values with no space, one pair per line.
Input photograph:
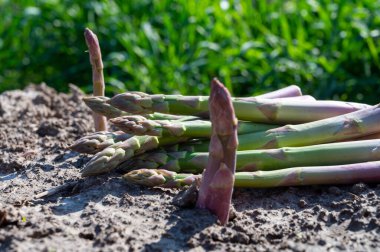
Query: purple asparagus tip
[93,46]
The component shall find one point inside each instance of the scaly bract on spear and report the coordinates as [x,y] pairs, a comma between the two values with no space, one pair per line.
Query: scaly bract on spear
[98,141]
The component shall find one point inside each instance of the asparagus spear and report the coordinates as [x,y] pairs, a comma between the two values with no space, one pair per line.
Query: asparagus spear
[139,125]
[262,111]
[98,141]
[295,98]
[289,91]
[215,191]
[99,105]
[368,172]
[332,153]
[113,155]
[97,74]
[349,126]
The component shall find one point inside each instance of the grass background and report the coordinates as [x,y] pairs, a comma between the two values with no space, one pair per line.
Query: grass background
[329,48]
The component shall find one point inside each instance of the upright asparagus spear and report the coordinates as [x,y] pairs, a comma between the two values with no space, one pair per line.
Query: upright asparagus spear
[273,159]
[140,125]
[112,156]
[368,172]
[97,74]
[262,111]
[217,182]
[98,141]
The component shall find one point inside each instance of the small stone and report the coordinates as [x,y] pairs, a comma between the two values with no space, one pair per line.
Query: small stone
[358,188]
[322,242]
[188,197]
[316,208]
[47,129]
[240,238]
[322,215]
[334,190]
[302,203]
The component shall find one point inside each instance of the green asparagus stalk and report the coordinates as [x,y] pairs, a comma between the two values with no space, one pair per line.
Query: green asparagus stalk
[261,111]
[99,105]
[98,141]
[289,91]
[113,155]
[139,125]
[272,159]
[368,172]
[345,127]
[97,74]
[215,191]
[295,98]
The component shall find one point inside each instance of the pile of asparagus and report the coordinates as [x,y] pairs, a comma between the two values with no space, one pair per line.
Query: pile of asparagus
[285,138]
[278,130]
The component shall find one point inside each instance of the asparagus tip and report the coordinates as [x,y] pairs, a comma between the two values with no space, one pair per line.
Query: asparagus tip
[148,177]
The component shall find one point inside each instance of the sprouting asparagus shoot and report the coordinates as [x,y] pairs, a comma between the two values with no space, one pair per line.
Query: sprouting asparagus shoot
[217,183]
[97,74]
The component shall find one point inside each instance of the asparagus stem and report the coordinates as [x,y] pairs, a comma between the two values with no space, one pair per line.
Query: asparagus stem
[289,91]
[345,127]
[262,111]
[97,74]
[367,172]
[99,105]
[98,141]
[333,154]
[295,98]
[112,156]
[215,191]
[139,125]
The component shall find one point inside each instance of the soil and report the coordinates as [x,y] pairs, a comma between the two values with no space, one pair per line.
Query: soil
[105,213]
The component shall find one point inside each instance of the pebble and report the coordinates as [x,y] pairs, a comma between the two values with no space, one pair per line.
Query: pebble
[302,203]
[358,188]
[334,190]
[322,242]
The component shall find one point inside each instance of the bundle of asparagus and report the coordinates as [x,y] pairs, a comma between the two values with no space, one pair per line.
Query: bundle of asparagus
[285,139]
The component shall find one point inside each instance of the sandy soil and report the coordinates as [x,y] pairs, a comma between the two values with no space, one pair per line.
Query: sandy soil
[105,213]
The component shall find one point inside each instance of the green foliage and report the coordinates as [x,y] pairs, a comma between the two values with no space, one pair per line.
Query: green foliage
[329,48]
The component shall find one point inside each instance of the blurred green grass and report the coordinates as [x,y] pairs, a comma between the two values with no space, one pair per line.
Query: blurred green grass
[329,48]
